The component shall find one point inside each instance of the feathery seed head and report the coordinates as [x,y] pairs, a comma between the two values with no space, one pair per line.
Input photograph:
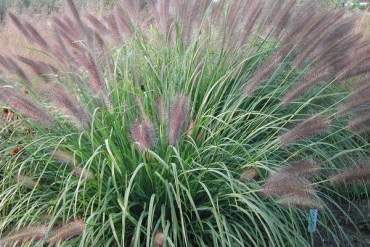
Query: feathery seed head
[26,181]
[159,239]
[142,133]
[83,173]
[64,157]
[68,231]
[248,174]
[178,118]
[23,105]
[31,233]
[68,104]
[357,174]
[307,128]
[300,201]
[302,168]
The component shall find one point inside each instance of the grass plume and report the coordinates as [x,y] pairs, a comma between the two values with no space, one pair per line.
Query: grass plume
[307,128]
[142,133]
[352,175]
[32,233]
[177,118]
[66,232]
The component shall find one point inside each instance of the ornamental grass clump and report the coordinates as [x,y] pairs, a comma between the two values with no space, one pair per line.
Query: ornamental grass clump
[184,123]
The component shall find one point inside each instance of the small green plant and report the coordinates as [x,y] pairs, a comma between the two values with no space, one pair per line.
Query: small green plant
[356,5]
[184,123]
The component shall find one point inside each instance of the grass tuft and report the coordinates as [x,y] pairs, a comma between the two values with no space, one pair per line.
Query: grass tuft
[183,123]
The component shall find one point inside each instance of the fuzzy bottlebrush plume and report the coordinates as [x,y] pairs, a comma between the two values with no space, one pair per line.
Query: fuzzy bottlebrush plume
[113,27]
[29,32]
[302,168]
[307,128]
[322,40]
[357,64]
[65,232]
[282,184]
[356,174]
[360,124]
[178,118]
[26,181]
[264,71]
[163,16]
[83,173]
[59,23]
[46,71]
[333,26]
[319,28]
[159,239]
[68,104]
[25,106]
[61,51]
[282,17]
[76,15]
[19,25]
[12,66]
[161,109]
[96,81]
[73,29]
[248,174]
[358,97]
[190,14]
[64,157]
[124,22]
[20,237]
[98,42]
[300,201]
[291,187]
[68,159]
[329,55]
[142,133]
[356,69]
[253,14]
[97,24]
[36,37]
[311,78]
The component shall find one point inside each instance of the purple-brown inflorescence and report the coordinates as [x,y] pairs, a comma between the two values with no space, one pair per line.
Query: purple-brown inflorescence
[20,237]
[282,184]
[248,174]
[360,124]
[12,66]
[64,157]
[300,201]
[178,118]
[159,239]
[26,181]
[291,187]
[25,106]
[302,168]
[68,159]
[307,128]
[359,97]
[66,103]
[82,173]
[143,134]
[68,231]
[356,174]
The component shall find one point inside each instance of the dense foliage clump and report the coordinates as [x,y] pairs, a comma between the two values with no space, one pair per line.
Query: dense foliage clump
[184,123]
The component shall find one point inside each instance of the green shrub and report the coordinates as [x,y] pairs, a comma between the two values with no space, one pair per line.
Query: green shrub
[209,124]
